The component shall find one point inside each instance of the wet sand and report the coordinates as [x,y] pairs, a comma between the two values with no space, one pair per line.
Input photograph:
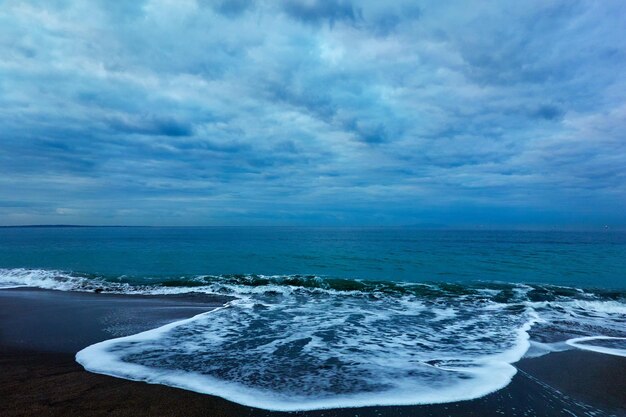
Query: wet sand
[40,331]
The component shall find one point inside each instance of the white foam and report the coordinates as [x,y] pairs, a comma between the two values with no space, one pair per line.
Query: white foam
[538,349]
[398,358]
[569,319]
[50,279]
[578,342]
[68,281]
[21,277]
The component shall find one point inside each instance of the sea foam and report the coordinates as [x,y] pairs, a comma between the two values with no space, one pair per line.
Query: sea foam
[305,363]
[617,350]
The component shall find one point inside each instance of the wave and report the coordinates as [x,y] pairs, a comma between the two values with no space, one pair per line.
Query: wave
[302,342]
[247,284]
[617,345]
[294,372]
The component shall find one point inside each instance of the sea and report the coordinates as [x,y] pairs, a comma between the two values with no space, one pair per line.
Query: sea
[338,317]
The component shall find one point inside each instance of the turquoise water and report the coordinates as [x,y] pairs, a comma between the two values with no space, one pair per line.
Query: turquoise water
[324,318]
[564,258]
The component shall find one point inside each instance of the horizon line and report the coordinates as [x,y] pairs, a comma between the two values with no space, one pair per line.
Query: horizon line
[411,226]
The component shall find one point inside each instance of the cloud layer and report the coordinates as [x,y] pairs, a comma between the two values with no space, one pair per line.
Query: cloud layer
[313,112]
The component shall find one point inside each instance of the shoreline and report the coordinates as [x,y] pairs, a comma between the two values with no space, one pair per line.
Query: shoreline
[41,330]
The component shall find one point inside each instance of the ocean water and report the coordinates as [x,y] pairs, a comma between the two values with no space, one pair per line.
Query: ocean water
[326,318]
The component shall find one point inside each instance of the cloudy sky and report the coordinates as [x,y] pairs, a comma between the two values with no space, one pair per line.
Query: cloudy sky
[312,112]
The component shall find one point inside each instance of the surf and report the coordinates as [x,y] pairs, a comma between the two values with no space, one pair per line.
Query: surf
[303,342]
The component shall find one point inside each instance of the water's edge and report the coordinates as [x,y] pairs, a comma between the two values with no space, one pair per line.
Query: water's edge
[306,342]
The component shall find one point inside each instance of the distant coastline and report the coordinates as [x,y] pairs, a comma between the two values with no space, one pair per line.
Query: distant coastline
[48,226]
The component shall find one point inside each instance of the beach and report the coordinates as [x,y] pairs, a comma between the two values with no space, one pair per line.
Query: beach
[41,330]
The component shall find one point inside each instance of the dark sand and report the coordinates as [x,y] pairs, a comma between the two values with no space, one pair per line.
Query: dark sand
[40,331]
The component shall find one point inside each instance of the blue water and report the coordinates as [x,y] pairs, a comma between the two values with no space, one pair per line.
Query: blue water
[590,259]
[325,318]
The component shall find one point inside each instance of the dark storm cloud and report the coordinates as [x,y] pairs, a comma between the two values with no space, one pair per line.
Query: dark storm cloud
[232,8]
[151,125]
[548,112]
[317,11]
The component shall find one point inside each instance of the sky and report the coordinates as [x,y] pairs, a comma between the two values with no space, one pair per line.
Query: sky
[311,112]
